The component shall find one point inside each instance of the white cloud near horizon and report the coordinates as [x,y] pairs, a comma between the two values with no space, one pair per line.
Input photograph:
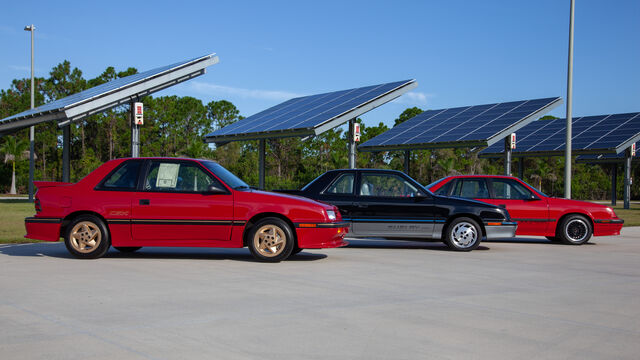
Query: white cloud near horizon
[209,88]
[414,98]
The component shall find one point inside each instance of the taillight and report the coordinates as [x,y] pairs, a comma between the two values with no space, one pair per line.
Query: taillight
[37,205]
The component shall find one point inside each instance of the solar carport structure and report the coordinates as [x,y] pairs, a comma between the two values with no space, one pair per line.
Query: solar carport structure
[308,116]
[614,160]
[467,126]
[106,96]
[608,135]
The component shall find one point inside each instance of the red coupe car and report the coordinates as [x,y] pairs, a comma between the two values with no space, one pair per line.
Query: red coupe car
[562,220]
[131,203]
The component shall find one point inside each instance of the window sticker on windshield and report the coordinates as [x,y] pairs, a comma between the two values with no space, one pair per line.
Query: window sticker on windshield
[167,176]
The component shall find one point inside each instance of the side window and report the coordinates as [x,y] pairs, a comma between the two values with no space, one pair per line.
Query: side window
[177,177]
[386,185]
[509,189]
[471,188]
[125,178]
[342,185]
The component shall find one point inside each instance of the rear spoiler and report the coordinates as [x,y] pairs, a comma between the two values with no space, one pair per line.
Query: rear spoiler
[44,184]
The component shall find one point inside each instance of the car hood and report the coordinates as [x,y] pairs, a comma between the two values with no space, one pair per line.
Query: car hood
[276,196]
[569,203]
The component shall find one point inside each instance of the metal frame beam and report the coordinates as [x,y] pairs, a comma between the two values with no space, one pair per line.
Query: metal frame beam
[66,145]
[261,153]
[627,178]
[614,184]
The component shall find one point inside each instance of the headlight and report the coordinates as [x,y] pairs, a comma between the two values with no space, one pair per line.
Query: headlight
[331,214]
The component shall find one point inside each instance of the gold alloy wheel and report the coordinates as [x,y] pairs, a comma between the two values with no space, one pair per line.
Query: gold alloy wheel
[85,237]
[270,240]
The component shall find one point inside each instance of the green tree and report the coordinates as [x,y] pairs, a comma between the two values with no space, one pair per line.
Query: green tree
[13,151]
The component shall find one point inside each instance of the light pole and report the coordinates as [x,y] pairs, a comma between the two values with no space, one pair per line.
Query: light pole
[32,164]
[567,151]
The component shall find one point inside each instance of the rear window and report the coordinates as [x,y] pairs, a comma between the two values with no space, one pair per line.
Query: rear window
[124,178]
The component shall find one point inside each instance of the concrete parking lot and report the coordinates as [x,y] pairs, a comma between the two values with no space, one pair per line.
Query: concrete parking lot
[514,299]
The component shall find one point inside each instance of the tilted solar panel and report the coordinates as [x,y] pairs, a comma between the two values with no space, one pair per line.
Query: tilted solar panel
[600,134]
[141,83]
[311,115]
[479,125]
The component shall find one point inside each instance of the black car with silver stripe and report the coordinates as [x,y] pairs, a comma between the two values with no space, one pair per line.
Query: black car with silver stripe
[390,204]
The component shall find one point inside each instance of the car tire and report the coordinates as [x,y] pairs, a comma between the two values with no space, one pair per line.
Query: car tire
[296,250]
[463,234]
[574,230]
[127,249]
[271,240]
[87,237]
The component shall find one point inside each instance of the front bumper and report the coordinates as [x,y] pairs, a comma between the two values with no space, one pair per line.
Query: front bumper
[604,227]
[322,235]
[501,230]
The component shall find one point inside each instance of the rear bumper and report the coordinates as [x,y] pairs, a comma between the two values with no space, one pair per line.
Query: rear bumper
[47,229]
[501,231]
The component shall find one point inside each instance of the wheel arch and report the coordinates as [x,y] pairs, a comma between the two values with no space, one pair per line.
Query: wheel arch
[475,217]
[69,218]
[263,215]
[564,216]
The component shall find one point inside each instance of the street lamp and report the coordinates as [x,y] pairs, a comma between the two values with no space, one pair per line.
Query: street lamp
[31,28]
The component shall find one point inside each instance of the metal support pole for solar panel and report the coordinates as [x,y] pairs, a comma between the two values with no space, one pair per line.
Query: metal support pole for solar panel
[521,168]
[567,154]
[352,144]
[627,177]
[66,144]
[32,155]
[135,132]
[261,151]
[407,159]
[614,183]
[507,155]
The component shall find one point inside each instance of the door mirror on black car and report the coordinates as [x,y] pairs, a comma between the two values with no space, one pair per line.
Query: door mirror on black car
[214,189]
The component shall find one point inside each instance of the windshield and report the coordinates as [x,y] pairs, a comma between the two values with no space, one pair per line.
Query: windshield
[225,175]
[534,188]
[435,182]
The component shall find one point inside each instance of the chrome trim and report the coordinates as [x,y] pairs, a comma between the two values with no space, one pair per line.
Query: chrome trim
[500,231]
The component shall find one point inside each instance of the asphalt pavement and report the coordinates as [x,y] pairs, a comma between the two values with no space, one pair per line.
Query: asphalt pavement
[516,299]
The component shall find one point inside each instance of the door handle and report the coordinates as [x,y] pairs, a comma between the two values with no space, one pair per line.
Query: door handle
[144,201]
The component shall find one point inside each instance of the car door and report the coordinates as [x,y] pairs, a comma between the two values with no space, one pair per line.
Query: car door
[175,207]
[529,210]
[341,193]
[390,205]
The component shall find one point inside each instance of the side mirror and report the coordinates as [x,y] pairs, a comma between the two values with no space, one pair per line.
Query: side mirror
[214,189]
[533,197]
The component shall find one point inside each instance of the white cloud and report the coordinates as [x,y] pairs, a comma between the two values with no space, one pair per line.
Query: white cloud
[208,88]
[20,68]
[414,98]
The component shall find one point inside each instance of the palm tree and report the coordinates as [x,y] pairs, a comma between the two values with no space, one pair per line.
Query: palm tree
[13,150]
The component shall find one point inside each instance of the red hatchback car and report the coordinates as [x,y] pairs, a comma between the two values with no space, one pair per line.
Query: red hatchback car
[131,203]
[568,221]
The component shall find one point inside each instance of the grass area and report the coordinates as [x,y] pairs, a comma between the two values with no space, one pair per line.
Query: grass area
[630,216]
[13,212]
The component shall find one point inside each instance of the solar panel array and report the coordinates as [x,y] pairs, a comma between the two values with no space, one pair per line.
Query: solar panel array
[462,126]
[590,134]
[304,115]
[86,95]
[605,158]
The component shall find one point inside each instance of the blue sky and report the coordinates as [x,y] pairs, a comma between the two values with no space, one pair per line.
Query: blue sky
[461,52]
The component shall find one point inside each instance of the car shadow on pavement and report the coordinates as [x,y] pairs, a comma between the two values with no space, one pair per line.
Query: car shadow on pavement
[58,250]
[531,240]
[400,244]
